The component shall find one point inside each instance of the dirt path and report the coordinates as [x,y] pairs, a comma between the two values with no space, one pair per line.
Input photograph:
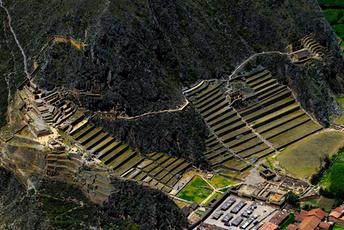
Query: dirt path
[244,63]
[9,20]
[116,117]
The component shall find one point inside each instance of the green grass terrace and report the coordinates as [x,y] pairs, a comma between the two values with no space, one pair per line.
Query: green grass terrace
[196,190]
[304,158]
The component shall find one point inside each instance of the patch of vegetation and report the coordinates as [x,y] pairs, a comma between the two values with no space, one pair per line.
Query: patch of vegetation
[292,198]
[215,197]
[338,227]
[338,3]
[340,101]
[290,220]
[224,189]
[195,191]
[334,13]
[304,158]
[269,163]
[322,202]
[59,205]
[219,181]
[332,183]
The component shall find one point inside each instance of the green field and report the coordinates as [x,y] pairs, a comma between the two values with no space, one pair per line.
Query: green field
[304,158]
[340,101]
[331,3]
[219,182]
[338,227]
[322,202]
[334,13]
[333,181]
[195,191]
[216,196]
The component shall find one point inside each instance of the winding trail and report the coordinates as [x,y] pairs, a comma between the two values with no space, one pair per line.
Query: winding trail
[9,19]
[117,117]
[231,77]
[8,83]
[242,65]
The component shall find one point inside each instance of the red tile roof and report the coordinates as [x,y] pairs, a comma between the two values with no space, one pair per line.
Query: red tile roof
[318,213]
[300,216]
[292,227]
[340,208]
[336,214]
[269,226]
[309,223]
[279,217]
[325,225]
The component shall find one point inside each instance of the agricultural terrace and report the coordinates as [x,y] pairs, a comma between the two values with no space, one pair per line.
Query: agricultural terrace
[157,170]
[333,180]
[241,134]
[304,158]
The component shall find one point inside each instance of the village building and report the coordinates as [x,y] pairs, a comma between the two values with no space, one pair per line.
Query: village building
[275,221]
[314,219]
[337,215]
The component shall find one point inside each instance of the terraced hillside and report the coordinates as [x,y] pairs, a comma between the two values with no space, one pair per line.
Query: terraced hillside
[160,171]
[157,169]
[243,133]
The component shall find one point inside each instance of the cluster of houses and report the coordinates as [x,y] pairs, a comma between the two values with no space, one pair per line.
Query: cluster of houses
[315,219]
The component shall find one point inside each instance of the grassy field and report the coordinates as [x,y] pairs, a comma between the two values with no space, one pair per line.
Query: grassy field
[322,202]
[331,3]
[340,101]
[195,191]
[219,182]
[304,158]
[215,196]
[334,13]
[338,227]
[333,181]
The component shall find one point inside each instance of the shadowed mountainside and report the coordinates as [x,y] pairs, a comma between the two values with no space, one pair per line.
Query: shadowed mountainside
[60,206]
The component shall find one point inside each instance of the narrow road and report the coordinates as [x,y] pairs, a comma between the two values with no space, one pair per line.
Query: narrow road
[9,19]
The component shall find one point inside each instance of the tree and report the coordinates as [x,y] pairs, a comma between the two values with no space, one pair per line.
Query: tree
[292,198]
